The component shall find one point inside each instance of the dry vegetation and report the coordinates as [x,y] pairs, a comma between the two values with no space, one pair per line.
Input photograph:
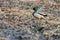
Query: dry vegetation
[18,23]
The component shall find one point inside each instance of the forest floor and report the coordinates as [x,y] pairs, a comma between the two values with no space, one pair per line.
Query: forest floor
[18,23]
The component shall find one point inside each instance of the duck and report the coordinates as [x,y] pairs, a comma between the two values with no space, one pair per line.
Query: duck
[45,18]
[39,15]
